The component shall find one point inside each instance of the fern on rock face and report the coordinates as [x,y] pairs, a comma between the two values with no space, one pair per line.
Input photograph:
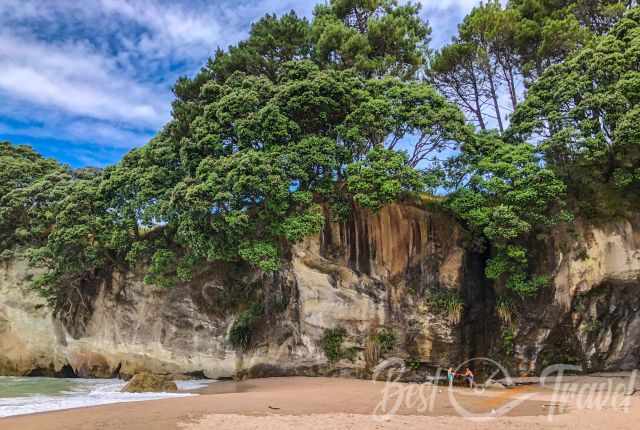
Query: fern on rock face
[447,302]
[243,329]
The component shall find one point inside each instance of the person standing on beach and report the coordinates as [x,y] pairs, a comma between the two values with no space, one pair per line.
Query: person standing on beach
[468,376]
[450,376]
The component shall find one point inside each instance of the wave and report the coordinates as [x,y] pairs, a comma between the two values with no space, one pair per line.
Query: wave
[79,393]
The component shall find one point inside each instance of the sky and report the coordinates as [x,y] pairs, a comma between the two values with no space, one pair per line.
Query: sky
[85,81]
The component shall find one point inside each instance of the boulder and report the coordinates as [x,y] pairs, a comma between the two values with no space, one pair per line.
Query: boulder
[149,382]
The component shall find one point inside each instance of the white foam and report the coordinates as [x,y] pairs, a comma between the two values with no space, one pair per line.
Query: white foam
[193,384]
[87,392]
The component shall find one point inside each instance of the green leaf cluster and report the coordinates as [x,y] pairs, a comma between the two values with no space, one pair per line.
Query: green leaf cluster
[243,329]
[585,113]
[508,197]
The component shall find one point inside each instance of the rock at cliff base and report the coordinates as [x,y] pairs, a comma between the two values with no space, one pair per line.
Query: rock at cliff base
[148,382]
[493,384]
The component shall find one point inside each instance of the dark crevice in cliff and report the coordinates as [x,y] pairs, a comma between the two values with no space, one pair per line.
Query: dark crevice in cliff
[479,323]
[116,371]
[65,372]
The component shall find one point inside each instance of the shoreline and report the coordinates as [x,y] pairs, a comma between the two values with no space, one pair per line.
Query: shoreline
[310,402]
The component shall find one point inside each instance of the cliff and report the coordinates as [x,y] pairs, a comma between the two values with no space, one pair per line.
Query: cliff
[590,316]
[362,276]
[369,276]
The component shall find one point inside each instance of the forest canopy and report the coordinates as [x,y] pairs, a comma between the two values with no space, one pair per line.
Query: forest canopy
[306,119]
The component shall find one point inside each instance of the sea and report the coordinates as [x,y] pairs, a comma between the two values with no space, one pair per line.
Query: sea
[27,395]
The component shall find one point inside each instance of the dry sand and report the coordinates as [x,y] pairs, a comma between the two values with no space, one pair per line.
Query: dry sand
[329,403]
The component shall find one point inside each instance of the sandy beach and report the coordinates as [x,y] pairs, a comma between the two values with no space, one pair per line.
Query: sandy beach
[331,403]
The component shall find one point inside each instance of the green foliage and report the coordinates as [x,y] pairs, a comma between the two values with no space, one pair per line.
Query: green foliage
[385,340]
[508,340]
[31,187]
[161,268]
[584,111]
[272,42]
[413,363]
[331,344]
[375,37]
[245,326]
[381,178]
[447,302]
[508,195]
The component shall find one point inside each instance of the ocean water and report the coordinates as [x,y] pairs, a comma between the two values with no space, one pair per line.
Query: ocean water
[22,395]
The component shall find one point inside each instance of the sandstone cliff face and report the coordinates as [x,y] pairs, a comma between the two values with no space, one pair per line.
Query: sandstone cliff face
[591,314]
[367,273]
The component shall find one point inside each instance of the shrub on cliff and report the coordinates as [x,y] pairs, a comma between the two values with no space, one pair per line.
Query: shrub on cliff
[244,327]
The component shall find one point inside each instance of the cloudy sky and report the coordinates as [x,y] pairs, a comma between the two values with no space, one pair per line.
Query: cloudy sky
[84,81]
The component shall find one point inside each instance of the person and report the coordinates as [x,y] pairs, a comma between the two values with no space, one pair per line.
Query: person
[450,375]
[468,376]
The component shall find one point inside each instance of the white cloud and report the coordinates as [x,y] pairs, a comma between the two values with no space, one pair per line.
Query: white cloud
[78,131]
[74,78]
[100,71]
[173,28]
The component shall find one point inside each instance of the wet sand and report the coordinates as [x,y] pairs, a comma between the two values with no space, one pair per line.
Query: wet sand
[331,403]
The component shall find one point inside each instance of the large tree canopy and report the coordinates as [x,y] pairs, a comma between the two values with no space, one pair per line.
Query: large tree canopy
[299,118]
[244,172]
[30,186]
[584,112]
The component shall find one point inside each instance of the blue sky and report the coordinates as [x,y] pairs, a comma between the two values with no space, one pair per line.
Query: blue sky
[86,81]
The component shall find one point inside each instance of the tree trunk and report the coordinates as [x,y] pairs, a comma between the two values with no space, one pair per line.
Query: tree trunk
[510,79]
[476,96]
[494,97]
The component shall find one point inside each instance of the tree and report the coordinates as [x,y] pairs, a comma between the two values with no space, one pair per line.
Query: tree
[585,114]
[272,42]
[500,51]
[506,196]
[551,30]
[479,30]
[481,60]
[30,188]
[454,70]
[376,37]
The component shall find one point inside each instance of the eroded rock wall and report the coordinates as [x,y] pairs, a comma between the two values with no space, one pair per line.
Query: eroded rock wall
[590,316]
[368,273]
[361,275]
